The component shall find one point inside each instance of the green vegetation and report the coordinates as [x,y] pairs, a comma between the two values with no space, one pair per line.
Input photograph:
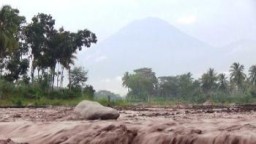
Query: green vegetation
[34,57]
[144,86]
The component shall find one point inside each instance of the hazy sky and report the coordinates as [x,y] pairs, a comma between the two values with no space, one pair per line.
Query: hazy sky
[217,22]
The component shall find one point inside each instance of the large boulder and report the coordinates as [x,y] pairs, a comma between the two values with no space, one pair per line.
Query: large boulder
[90,110]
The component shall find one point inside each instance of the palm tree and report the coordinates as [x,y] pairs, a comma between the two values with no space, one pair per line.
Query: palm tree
[125,79]
[237,75]
[208,80]
[222,82]
[252,74]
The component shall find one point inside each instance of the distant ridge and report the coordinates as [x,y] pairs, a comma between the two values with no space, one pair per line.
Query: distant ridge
[154,43]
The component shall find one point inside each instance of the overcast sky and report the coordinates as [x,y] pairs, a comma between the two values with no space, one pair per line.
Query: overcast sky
[217,22]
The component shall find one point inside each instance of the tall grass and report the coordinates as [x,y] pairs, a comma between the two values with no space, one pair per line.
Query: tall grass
[34,95]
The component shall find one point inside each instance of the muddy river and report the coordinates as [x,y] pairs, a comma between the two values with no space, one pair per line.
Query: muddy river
[136,125]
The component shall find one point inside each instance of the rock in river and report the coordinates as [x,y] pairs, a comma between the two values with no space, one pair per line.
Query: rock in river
[90,110]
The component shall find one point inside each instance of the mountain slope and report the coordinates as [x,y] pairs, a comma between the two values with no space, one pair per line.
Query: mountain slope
[150,43]
[242,51]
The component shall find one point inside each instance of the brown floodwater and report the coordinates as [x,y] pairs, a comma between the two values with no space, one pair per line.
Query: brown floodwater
[136,125]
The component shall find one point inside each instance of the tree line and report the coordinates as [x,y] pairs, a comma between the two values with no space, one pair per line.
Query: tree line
[143,85]
[38,52]
[37,46]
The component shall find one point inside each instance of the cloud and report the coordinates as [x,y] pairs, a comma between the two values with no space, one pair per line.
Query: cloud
[118,78]
[113,84]
[114,79]
[191,19]
[106,80]
[93,57]
[100,58]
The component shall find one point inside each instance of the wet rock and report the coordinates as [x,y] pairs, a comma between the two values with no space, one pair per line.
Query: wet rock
[90,110]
